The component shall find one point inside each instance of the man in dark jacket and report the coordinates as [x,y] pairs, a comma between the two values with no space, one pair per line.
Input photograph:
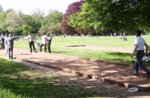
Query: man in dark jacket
[2,40]
[49,38]
[10,46]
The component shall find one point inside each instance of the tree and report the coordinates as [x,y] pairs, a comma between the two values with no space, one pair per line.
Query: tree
[52,22]
[88,19]
[38,18]
[27,23]
[72,9]
[2,20]
[114,15]
[12,22]
[26,29]
[31,23]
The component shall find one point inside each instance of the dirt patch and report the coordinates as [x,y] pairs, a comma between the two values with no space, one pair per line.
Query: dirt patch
[102,48]
[76,46]
[97,68]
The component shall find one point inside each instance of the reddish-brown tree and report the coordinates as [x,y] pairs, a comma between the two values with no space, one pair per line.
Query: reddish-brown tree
[72,9]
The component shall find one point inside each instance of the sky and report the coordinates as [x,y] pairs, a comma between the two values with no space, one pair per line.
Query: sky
[29,6]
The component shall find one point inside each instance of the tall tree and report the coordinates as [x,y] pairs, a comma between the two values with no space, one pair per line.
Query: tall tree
[72,9]
[38,18]
[12,22]
[52,22]
[2,21]
[27,25]
[116,15]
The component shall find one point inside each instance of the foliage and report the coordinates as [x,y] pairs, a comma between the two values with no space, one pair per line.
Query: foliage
[2,20]
[52,22]
[21,24]
[38,18]
[12,22]
[112,15]
[26,29]
[84,16]
[72,9]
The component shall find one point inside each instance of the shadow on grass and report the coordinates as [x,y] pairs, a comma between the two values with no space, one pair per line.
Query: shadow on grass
[13,77]
[124,58]
[120,57]
[119,54]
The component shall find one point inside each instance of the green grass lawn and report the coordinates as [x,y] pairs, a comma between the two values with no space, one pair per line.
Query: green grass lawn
[59,46]
[19,81]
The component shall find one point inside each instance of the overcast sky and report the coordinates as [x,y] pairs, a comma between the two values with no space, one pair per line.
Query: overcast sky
[28,6]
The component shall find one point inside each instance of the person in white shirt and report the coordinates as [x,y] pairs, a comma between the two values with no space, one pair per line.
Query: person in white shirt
[44,41]
[31,42]
[5,41]
[139,50]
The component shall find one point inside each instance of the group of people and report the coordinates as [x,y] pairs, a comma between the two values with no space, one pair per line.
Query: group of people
[7,42]
[45,41]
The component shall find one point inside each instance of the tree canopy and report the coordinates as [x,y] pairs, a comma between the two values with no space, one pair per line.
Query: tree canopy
[82,17]
[37,23]
[72,9]
[99,16]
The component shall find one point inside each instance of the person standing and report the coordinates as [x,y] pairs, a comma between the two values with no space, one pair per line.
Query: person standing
[139,51]
[31,42]
[5,45]
[0,40]
[10,46]
[3,41]
[49,38]
[44,41]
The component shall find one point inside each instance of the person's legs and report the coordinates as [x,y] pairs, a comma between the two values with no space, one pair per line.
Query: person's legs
[38,44]
[3,44]
[146,70]
[6,49]
[41,47]
[33,47]
[140,63]
[11,53]
[136,69]
[45,48]
[49,48]
[30,45]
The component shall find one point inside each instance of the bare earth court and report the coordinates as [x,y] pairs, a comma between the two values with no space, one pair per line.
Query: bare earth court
[112,73]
